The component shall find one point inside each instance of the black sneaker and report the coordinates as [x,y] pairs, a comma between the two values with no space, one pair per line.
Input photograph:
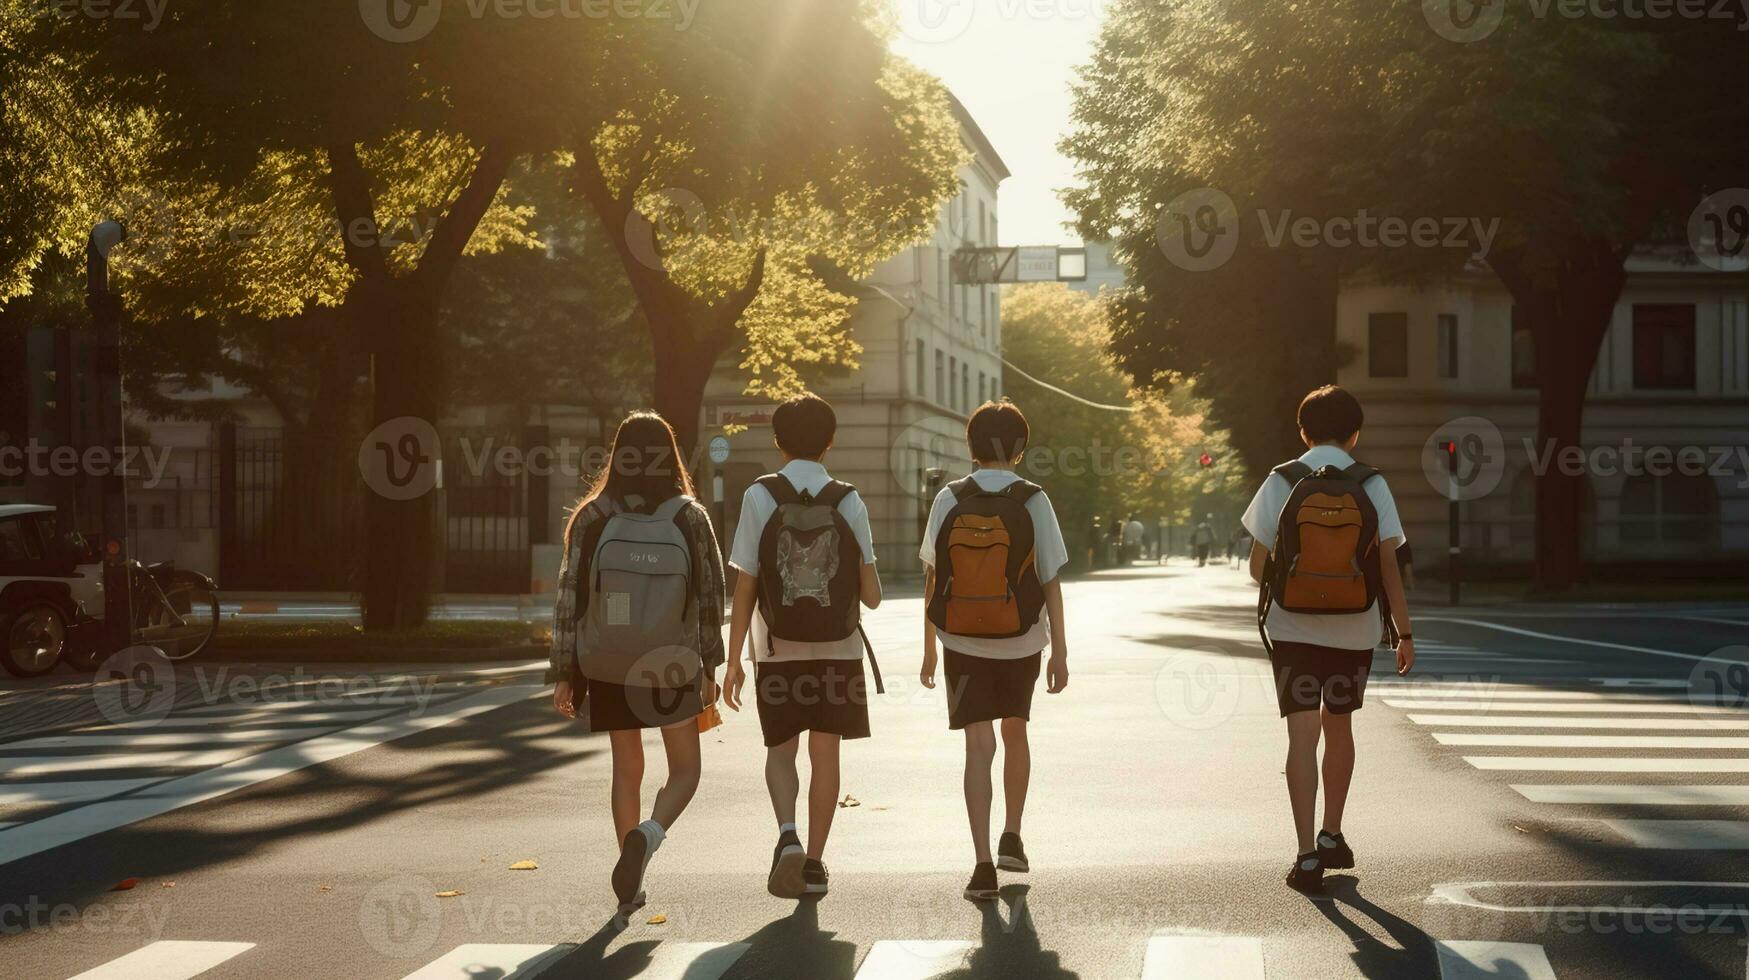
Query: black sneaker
[1010,855]
[815,877]
[787,860]
[982,887]
[628,872]
[1333,852]
[1307,874]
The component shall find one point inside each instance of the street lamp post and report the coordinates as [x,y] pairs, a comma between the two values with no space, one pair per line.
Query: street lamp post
[106,310]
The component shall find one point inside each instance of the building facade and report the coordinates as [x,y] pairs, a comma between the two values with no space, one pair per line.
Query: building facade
[931,354]
[1666,434]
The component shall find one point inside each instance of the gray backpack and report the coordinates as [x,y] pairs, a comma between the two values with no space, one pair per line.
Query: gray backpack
[641,626]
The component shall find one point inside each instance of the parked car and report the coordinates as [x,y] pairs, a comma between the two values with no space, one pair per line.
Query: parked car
[51,591]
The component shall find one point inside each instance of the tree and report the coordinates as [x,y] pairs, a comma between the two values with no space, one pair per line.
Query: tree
[1109,449]
[1587,139]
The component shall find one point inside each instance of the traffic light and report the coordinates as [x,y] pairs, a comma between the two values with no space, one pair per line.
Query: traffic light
[1205,460]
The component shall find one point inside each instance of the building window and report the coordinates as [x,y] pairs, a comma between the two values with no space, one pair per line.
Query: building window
[965,387]
[1675,510]
[1523,351]
[1388,345]
[921,379]
[983,383]
[1664,346]
[1448,345]
[940,378]
[953,382]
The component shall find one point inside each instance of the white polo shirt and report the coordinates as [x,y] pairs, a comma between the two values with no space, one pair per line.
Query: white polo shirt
[757,509]
[1359,631]
[1050,554]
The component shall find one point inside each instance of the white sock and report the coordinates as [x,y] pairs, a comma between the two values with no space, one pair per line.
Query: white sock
[784,828]
[654,833]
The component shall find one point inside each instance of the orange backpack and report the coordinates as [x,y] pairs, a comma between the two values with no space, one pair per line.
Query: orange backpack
[986,579]
[1326,556]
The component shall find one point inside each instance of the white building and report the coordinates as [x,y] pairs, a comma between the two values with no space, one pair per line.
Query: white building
[931,354]
[1672,376]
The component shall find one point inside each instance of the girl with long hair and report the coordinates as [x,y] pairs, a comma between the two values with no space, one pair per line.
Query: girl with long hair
[643,471]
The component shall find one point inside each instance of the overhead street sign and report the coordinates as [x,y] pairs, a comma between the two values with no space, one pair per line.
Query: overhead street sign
[1019,263]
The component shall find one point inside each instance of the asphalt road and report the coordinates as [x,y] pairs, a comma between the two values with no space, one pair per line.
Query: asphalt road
[1553,792]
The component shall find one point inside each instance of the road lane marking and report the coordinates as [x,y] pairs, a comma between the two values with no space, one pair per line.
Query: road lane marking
[1539,741]
[167,960]
[1601,644]
[172,794]
[1215,957]
[24,794]
[1602,721]
[891,960]
[1594,763]
[1684,835]
[1485,960]
[501,961]
[1460,893]
[1643,795]
[1571,707]
[362,701]
[54,765]
[1503,692]
[195,739]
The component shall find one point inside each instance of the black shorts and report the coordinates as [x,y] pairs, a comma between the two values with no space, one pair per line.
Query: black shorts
[795,696]
[616,707]
[1307,676]
[985,689]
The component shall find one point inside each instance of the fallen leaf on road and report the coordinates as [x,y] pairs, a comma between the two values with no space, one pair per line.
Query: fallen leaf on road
[656,919]
[169,884]
[126,884]
[849,801]
[452,893]
[525,866]
[324,888]
[1520,829]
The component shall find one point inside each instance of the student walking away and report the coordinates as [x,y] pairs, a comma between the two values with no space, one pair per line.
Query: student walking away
[992,551]
[1325,527]
[807,565]
[1203,539]
[637,631]
[1132,540]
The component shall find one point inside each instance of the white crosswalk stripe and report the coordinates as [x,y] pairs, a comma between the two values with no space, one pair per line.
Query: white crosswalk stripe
[1484,960]
[167,960]
[918,960]
[1199,957]
[502,961]
[54,790]
[1645,728]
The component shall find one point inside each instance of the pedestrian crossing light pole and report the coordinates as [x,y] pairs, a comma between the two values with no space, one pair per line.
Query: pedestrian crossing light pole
[106,310]
[1452,516]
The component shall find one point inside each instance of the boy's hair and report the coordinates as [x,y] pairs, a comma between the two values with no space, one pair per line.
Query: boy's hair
[996,432]
[804,426]
[1330,414]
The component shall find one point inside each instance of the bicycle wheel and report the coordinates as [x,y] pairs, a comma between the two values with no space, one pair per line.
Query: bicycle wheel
[185,623]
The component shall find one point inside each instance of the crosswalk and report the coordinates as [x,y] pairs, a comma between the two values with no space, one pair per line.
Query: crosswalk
[63,787]
[1611,742]
[1166,956]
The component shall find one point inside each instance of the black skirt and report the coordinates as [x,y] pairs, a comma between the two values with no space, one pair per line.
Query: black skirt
[617,707]
[985,689]
[795,696]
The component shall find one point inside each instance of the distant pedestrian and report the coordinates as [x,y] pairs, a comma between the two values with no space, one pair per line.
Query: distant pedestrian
[636,643]
[1133,533]
[1327,600]
[1203,540]
[806,560]
[995,615]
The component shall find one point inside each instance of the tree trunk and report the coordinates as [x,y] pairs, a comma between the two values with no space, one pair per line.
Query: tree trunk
[400,535]
[683,369]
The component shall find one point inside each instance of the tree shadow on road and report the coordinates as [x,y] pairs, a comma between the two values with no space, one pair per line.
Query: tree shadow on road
[1412,956]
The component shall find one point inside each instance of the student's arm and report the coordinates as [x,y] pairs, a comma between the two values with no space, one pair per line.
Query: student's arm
[1399,605]
[1057,671]
[740,621]
[927,674]
[871,585]
[1259,556]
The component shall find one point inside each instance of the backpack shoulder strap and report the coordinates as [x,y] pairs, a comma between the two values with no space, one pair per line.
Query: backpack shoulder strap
[833,494]
[1293,471]
[782,491]
[1021,491]
[672,507]
[1360,472]
[964,487]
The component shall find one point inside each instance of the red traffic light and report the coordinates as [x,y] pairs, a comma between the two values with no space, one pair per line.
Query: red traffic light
[1206,460]
[1450,447]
